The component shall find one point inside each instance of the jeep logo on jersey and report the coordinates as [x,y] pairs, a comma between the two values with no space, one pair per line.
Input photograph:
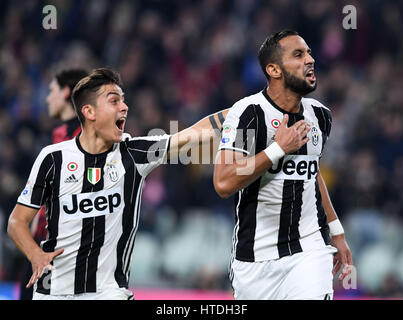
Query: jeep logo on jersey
[295,167]
[84,205]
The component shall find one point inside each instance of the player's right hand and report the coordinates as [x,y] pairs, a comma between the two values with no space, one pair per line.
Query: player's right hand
[293,138]
[41,263]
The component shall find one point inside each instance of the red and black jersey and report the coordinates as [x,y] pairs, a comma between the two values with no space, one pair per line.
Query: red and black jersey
[66,131]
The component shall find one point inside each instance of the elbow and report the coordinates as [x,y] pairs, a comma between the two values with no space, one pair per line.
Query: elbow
[222,188]
[223,193]
[224,180]
[10,226]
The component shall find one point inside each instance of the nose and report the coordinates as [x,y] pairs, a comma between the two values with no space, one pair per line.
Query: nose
[309,59]
[124,107]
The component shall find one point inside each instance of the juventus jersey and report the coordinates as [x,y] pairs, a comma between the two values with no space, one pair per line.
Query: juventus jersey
[281,212]
[92,209]
[68,130]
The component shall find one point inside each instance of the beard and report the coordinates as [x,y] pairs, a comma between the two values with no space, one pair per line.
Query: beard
[297,85]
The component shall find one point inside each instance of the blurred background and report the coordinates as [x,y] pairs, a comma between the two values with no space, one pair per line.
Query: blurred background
[182,60]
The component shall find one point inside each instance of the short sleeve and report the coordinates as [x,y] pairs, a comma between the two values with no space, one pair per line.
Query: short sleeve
[238,131]
[38,188]
[148,152]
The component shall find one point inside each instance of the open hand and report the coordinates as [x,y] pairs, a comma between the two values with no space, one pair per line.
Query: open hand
[41,263]
[343,258]
[293,138]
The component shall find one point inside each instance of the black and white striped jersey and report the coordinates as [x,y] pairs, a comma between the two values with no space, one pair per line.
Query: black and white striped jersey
[281,213]
[92,206]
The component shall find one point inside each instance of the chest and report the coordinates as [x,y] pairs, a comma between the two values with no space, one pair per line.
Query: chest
[82,174]
[316,137]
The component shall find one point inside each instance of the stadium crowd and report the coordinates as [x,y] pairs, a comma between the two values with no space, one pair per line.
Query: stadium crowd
[182,60]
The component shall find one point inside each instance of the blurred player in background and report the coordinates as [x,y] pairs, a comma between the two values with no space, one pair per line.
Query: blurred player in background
[269,157]
[91,187]
[60,106]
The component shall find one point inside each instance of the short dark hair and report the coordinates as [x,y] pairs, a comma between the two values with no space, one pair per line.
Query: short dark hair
[69,78]
[84,91]
[270,50]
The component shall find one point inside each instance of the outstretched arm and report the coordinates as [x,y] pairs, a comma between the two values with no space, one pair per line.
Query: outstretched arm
[343,256]
[205,131]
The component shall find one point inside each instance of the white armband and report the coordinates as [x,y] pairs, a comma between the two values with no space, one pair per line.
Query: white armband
[274,152]
[335,228]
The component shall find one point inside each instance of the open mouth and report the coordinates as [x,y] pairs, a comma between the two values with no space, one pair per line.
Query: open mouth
[310,76]
[121,123]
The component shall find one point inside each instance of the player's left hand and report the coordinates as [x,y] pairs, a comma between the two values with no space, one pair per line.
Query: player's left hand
[343,258]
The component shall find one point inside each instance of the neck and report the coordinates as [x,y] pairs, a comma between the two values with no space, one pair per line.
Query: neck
[92,143]
[68,113]
[284,98]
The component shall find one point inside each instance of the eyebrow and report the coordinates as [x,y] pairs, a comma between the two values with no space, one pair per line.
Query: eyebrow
[116,93]
[302,50]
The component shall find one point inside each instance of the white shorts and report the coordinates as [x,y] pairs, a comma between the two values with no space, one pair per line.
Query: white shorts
[108,294]
[304,275]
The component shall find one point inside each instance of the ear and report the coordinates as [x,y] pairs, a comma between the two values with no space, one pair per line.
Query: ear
[66,92]
[88,111]
[274,70]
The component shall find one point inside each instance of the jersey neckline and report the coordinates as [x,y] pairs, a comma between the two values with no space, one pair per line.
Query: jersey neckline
[91,154]
[270,100]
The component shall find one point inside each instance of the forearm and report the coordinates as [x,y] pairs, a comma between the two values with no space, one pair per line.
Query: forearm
[326,202]
[343,256]
[19,231]
[199,133]
[231,175]
[205,131]
[336,228]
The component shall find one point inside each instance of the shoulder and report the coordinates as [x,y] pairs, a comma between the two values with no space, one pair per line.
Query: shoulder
[241,105]
[146,143]
[313,103]
[244,110]
[128,138]
[52,149]
[57,147]
[318,108]
[321,112]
